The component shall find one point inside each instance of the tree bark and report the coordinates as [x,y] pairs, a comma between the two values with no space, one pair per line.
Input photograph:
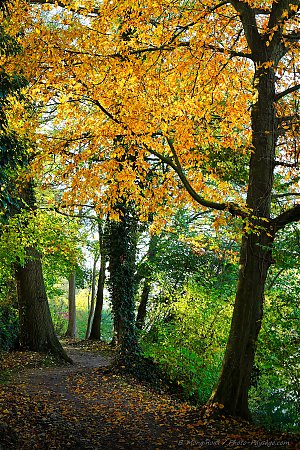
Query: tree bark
[71,330]
[142,309]
[146,272]
[95,333]
[36,327]
[255,255]
[233,385]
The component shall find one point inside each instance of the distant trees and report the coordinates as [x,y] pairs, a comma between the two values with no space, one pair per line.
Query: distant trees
[95,332]
[71,330]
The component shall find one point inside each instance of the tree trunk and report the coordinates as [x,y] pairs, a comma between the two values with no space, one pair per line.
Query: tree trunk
[142,309]
[71,330]
[36,327]
[233,385]
[122,254]
[255,258]
[95,333]
[146,273]
[93,295]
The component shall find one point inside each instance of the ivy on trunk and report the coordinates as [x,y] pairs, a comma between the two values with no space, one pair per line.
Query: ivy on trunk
[122,258]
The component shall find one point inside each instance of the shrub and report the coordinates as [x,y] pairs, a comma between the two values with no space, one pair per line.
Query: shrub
[9,326]
[274,401]
[188,340]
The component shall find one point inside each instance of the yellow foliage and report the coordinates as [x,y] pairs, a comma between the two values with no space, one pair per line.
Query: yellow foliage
[131,84]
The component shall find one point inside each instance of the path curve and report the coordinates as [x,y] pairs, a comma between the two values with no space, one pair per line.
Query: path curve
[85,407]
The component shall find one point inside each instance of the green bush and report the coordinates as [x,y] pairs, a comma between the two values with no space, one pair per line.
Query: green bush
[188,340]
[274,401]
[59,314]
[106,325]
[9,327]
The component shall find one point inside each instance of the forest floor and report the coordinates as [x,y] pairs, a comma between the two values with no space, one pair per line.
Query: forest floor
[85,406]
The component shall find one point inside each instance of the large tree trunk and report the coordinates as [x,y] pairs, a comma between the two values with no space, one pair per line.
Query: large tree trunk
[36,327]
[233,385]
[122,254]
[232,388]
[95,333]
[71,330]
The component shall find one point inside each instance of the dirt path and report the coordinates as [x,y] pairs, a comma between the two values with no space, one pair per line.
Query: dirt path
[53,380]
[86,407]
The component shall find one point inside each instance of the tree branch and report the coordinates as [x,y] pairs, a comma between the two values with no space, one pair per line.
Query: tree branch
[230,52]
[139,51]
[288,119]
[104,110]
[79,216]
[292,37]
[279,7]
[289,216]
[247,15]
[261,11]
[286,92]
[232,208]
[219,5]
[272,282]
[286,164]
[79,10]
[289,194]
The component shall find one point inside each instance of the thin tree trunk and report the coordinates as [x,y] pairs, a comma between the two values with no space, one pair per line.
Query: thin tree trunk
[95,333]
[142,309]
[93,295]
[273,281]
[36,327]
[147,275]
[71,330]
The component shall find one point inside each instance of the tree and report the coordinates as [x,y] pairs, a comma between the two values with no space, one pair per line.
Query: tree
[95,333]
[146,80]
[93,294]
[122,259]
[189,248]
[36,327]
[71,330]
[145,274]
[13,146]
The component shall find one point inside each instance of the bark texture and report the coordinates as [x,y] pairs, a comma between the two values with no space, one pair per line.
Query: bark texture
[142,309]
[255,255]
[233,385]
[36,327]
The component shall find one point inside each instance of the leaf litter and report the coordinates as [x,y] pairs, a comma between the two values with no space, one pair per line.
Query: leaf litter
[88,406]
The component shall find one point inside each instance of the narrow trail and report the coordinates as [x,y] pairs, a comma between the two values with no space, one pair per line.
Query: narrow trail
[53,380]
[86,407]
